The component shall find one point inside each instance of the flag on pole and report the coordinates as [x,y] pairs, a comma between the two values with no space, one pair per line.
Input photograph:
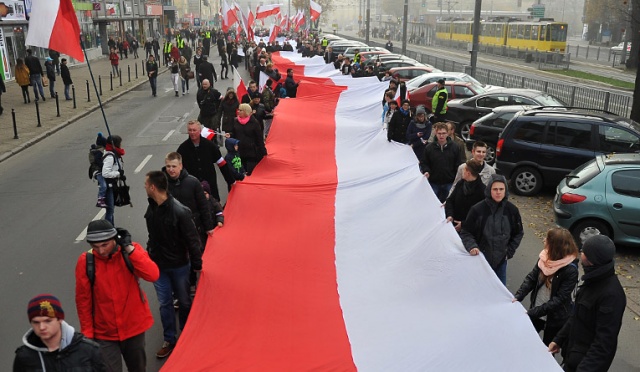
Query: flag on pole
[315,10]
[263,81]
[53,25]
[238,84]
[273,33]
[228,16]
[267,10]
[250,22]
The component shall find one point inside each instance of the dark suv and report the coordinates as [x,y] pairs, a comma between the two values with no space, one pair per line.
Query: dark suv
[541,146]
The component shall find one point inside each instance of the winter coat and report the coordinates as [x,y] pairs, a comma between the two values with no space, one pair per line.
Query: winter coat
[458,203]
[207,71]
[76,353]
[51,70]
[251,139]
[268,99]
[558,308]
[188,190]
[208,101]
[66,75]
[113,57]
[215,208]
[589,338]
[152,69]
[22,76]
[233,159]
[485,174]
[116,308]
[494,228]
[33,64]
[412,136]
[441,162]
[111,167]
[199,162]
[173,238]
[229,109]
[291,86]
[398,124]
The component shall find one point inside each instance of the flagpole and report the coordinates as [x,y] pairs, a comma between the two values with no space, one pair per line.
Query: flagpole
[95,87]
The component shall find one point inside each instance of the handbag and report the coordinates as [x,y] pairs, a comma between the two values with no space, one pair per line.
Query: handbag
[121,195]
[190,74]
[45,81]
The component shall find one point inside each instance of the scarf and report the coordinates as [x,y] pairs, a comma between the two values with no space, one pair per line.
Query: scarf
[550,267]
[244,120]
[115,150]
[421,124]
[592,272]
[404,112]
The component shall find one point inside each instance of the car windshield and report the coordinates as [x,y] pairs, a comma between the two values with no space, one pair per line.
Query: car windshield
[628,122]
[583,174]
[547,100]
[477,87]
[415,82]
[469,79]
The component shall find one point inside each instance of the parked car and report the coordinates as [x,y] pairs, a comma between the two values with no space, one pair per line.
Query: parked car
[391,63]
[339,46]
[456,89]
[541,146]
[618,48]
[488,128]
[366,57]
[601,197]
[433,77]
[408,73]
[351,51]
[386,56]
[466,111]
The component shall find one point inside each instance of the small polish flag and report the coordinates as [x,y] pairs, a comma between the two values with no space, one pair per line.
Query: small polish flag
[315,10]
[263,81]
[267,10]
[207,133]
[238,84]
[53,25]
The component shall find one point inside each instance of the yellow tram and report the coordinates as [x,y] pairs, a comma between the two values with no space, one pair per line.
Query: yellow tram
[547,36]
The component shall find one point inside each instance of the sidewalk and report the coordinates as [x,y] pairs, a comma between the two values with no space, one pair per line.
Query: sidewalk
[26,119]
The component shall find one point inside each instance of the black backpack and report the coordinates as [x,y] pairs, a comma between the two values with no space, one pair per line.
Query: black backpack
[95,160]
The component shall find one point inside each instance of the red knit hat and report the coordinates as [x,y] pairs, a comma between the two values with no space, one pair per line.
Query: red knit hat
[45,305]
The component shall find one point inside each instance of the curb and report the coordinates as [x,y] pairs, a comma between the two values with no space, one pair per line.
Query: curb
[631,304]
[68,122]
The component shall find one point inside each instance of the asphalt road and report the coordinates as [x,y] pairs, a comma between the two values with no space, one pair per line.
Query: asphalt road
[47,201]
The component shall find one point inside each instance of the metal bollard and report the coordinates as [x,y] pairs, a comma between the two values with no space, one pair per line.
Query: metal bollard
[15,127]
[120,75]
[38,114]
[142,63]
[88,92]
[136,71]
[129,73]
[100,83]
[57,106]
[73,93]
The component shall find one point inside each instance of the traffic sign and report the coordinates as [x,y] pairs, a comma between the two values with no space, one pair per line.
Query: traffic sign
[537,10]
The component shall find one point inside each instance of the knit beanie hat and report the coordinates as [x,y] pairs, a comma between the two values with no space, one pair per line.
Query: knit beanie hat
[45,305]
[100,231]
[206,187]
[599,250]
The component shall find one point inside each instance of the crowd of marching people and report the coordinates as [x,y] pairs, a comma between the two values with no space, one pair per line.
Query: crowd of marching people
[185,207]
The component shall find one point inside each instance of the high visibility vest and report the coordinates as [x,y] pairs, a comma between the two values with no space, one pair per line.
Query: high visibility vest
[436,99]
[207,35]
[167,47]
[181,43]
[325,42]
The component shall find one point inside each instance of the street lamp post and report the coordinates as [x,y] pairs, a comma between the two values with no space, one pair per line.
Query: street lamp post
[476,36]
[404,27]
[367,20]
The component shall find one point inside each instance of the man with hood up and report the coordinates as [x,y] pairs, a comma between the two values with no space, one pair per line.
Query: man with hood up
[589,338]
[53,345]
[493,227]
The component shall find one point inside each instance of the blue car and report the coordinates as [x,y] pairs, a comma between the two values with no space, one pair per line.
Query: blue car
[602,197]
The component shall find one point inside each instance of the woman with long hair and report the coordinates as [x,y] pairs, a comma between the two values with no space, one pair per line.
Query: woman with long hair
[229,106]
[22,78]
[551,283]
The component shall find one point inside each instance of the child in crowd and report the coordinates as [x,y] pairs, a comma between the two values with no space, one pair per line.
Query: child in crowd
[233,158]
[95,169]
[214,205]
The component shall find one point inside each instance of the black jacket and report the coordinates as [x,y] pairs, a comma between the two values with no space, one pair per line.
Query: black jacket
[589,338]
[441,162]
[208,101]
[82,355]
[558,308]
[173,237]
[473,227]
[66,75]
[291,86]
[152,68]
[33,63]
[200,162]
[51,70]
[188,190]
[251,139]
[458,203]
[207,71]
[398,125]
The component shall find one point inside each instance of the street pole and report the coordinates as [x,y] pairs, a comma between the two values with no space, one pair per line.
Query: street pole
[404,27]
[368,15]
[476,36]
[623,55]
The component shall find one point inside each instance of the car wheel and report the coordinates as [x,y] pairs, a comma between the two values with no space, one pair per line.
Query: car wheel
[526,181]
[465,128]
[588,228]
[491,154]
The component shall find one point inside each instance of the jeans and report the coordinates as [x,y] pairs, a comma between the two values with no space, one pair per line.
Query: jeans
[66,91]
[501,272]
[114,70]
[441,191]
[185,83]
[175,79]
[25,93]
[102,185]
[176,281]
[36,83]
[52,88]
[109,200]
[152,81]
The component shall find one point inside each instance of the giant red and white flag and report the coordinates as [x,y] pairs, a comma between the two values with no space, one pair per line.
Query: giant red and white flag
[355,268]
[54,25]
[267,10]
[238,85]
[229,16]
[315,10]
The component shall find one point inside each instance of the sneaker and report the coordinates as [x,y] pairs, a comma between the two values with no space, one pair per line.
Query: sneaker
[101,203]
[176,304]
[187,91]
[166,349]
[177,95]
[43,99]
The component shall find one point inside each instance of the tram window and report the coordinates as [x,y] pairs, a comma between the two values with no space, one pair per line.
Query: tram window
[534,32]
[520,31]
[498,31]
[543,33]
[559,32]
[513,31]
[527,32]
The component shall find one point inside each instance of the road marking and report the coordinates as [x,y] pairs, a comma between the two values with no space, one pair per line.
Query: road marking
[144,162]
[168,135]
[83,234]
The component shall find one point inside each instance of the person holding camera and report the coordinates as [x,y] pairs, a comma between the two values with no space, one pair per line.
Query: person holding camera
[112,307]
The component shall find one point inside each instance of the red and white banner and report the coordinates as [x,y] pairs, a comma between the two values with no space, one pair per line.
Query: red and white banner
[238,85]
[273,33]
[264,11]
[298,20]
[228,16]
[315,10]
[355,267]
[53,25]
[250,22]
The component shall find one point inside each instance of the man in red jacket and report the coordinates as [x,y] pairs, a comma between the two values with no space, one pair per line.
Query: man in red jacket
[112,308]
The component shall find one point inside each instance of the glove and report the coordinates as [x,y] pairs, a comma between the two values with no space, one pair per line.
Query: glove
[123,238]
